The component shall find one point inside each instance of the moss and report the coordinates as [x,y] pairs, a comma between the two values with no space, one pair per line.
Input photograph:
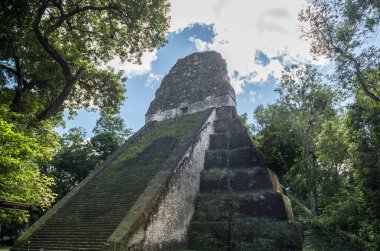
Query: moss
[111,193]
[139,215]
[208,235]
[213,207]
[175,128]
[216,174]
[245,234]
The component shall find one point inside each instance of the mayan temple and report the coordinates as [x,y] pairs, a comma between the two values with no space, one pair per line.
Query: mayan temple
[189,179]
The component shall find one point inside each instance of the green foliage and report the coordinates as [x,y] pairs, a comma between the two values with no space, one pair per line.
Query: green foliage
[364,148]
[346,31]
[331,145]
[110,132]
[318,234]
[289,127]
[22,150]
[74,161]
[173,128]
[53,53]
[276,138]
[333,151]
[78,155]
[249,127]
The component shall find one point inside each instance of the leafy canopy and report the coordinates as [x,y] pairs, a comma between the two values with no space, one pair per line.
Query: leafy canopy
[346,31]
[53,52]
[21,152]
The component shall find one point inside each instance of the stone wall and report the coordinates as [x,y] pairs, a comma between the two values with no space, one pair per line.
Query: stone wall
[174,190]
[41,222]
[185,108]
[167,228]
[195,83]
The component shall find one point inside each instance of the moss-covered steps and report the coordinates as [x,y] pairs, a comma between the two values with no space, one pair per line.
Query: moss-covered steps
[89,216]
[240,205]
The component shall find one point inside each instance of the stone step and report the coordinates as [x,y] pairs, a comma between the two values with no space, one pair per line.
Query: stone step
[228,125]
[71,240]
[225,141]
[61,247]
[79,226]
[245,234]
[219,141]
[74,233]
[226,112]
[239,140]
[222,206]
[56,248]
[245,157]
[216,159]
[234,158]
[86,219]
[240,179]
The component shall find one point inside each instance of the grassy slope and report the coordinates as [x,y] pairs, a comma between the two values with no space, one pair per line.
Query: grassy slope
[106,198]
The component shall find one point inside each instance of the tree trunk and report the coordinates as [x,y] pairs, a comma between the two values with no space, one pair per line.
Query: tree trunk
[314,202]
[57,103]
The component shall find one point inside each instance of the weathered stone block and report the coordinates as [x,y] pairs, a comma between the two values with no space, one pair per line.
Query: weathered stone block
[227,125]
[220,206]
[219,141]
[208,236]
[245,234]
[250,179]
[265,233]
[216,159]
[267,204]
[238,140]
[245,157]
[195,83]
[211,185]
[213,207]
[227,112]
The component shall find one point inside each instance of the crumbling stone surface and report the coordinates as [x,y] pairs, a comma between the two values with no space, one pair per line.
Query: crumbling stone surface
[195,83]
[241,205]
[144,197]
[90,216]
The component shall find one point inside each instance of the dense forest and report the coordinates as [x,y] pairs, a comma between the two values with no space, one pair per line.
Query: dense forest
[53,57]
[321,136]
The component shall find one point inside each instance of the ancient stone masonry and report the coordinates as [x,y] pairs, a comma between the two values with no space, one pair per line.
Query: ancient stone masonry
[195,83]
[241,205]
[190,178]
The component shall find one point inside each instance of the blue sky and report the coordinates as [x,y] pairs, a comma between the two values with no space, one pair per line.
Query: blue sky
[141,88]
[257,38]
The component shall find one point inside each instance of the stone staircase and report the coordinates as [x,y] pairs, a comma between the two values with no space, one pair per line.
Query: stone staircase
[241,205]
[91,215]
[87,220]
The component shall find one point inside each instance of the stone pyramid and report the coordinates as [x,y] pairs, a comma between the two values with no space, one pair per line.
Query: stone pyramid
[189,179]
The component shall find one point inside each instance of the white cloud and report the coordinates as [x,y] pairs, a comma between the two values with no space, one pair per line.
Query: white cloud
[152,80]
[200,45]
[242,27]
[135,69]
[252,96]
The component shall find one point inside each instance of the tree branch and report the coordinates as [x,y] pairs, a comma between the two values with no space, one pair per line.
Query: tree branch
[57,103]
[7,68]
[70,79]
[337,50]
[17,71]
[69,15]
[27,84]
